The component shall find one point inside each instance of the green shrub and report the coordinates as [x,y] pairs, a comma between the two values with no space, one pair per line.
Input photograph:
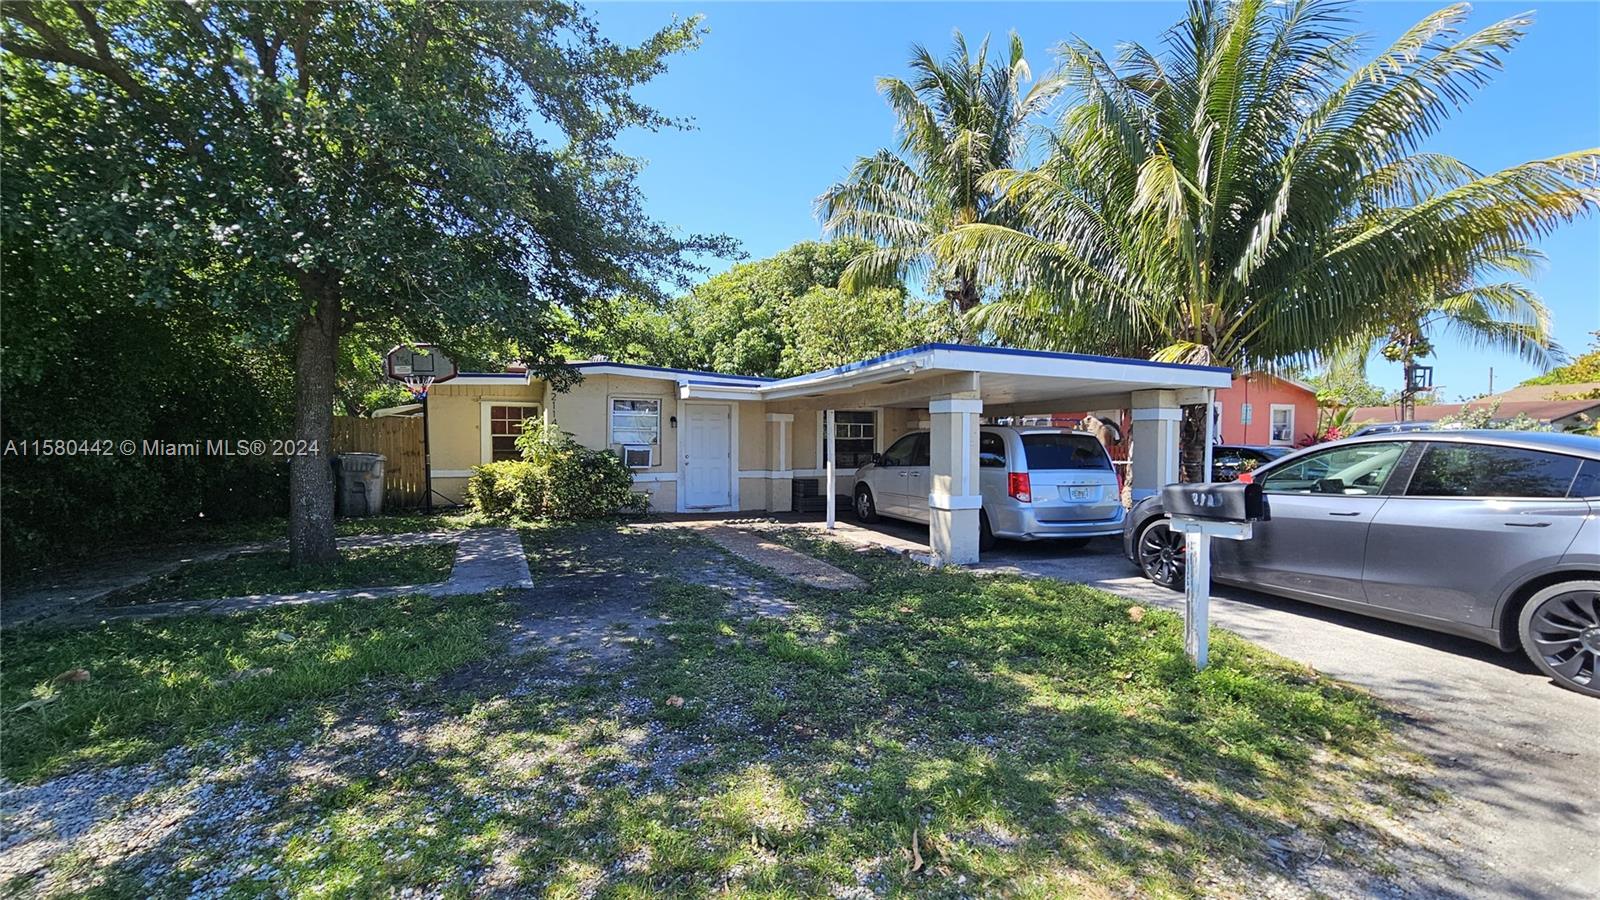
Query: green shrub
[557,478]
[506,489]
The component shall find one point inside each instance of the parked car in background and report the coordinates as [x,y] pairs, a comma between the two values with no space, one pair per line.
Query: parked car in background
[1494,535]
[1393,428]
[1228,460]
[1036,483]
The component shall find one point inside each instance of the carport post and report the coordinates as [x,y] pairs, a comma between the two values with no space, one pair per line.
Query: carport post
[828,418]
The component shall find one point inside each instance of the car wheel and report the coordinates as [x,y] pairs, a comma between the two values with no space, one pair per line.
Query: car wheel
[986,538]
[1560,630]
[1160,551]
[866,509]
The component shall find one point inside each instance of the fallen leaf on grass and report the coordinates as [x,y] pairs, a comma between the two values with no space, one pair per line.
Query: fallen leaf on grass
[285,636]
[37,702]
[916,854]
[72,676]
[1136,613]
[675,701]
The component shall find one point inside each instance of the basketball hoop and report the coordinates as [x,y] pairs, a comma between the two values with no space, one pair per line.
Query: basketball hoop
[418,385]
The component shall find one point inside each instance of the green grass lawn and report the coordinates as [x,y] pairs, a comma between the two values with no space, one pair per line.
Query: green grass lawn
[153,684]
[937,734]
[269,572]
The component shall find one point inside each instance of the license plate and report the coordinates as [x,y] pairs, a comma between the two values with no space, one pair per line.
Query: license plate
[1080,493]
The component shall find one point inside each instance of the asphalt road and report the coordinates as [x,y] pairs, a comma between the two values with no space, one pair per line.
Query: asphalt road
[1520,756]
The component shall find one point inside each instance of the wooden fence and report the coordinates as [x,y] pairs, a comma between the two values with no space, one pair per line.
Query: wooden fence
[399,438]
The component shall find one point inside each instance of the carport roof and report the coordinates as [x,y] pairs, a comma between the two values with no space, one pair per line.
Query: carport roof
[1007,375]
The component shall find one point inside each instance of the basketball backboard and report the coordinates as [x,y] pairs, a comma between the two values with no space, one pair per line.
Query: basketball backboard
[418,361]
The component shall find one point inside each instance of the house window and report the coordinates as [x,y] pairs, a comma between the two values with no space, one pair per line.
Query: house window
[855,437]
[636,422]
[505,424]
[1282,423]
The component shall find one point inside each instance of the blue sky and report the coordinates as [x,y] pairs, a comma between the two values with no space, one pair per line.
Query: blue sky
[783,97]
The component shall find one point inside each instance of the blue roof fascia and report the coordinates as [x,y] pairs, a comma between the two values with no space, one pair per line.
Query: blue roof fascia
[998,351]
[754,379]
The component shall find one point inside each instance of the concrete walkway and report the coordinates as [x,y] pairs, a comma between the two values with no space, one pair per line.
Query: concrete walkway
[486,559]
[748,544]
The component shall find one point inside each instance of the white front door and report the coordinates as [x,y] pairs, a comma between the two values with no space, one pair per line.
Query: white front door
[707,473]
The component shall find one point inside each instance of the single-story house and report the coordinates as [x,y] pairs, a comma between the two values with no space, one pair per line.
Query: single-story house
[1263,410]
[703,441]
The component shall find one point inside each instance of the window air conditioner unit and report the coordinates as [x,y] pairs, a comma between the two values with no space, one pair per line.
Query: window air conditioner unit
[636,456]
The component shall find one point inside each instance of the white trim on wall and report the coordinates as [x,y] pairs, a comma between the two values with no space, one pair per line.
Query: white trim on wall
[1271,414]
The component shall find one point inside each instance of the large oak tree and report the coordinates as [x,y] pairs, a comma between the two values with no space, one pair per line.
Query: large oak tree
[425,168]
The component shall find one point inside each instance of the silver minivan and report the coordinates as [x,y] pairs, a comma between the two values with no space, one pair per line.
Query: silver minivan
[1036,483]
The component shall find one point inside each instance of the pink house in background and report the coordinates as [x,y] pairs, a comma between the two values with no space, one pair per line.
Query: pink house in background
[1264,410]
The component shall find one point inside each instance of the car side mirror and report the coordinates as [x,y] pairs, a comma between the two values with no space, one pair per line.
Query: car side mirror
[877,459]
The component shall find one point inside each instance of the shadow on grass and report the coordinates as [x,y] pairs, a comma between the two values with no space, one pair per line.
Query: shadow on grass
[936,734]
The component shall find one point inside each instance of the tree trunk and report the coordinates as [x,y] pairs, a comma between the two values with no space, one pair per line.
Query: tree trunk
[316,353]
[1192,444]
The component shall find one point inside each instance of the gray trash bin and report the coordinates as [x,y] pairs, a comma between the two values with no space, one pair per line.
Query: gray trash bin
[361,483]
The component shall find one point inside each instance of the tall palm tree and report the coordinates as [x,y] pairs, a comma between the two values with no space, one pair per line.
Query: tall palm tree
[960,119]
[1503,315]
[1251,195]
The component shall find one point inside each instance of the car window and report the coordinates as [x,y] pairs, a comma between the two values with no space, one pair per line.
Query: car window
[1587,484]
[919,450]
[1046,451]
[991,450]
[900,453]
[1484,470]
[1351,469]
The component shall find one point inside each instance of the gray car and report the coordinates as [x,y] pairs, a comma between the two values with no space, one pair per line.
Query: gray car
[1494,535]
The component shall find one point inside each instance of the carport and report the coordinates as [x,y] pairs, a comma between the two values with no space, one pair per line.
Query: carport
[958,385]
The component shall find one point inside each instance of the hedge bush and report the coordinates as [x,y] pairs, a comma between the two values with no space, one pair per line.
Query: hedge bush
[557,478]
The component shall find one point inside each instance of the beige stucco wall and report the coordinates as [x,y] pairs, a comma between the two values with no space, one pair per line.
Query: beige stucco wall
[583,411]
[455,426]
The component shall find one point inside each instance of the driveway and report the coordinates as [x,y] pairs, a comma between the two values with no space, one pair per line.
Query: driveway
[1520,756]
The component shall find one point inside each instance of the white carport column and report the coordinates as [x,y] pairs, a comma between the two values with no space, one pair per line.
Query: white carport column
[954,499]
[831,432]
[1156,418]
[780,469]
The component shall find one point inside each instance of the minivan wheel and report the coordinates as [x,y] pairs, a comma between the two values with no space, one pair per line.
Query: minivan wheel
[1560,630]
[986,538]
[1160,551]
[866,509]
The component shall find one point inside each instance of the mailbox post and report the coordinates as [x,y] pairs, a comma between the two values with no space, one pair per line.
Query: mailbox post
[1200,512]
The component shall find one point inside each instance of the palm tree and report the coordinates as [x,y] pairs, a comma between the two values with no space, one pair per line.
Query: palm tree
[1501,315]
[1251,195]
[960,119]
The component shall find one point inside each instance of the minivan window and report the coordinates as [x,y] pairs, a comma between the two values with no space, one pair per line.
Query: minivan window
[1485,470]
[991,451]
[1046,451]
[902,452]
